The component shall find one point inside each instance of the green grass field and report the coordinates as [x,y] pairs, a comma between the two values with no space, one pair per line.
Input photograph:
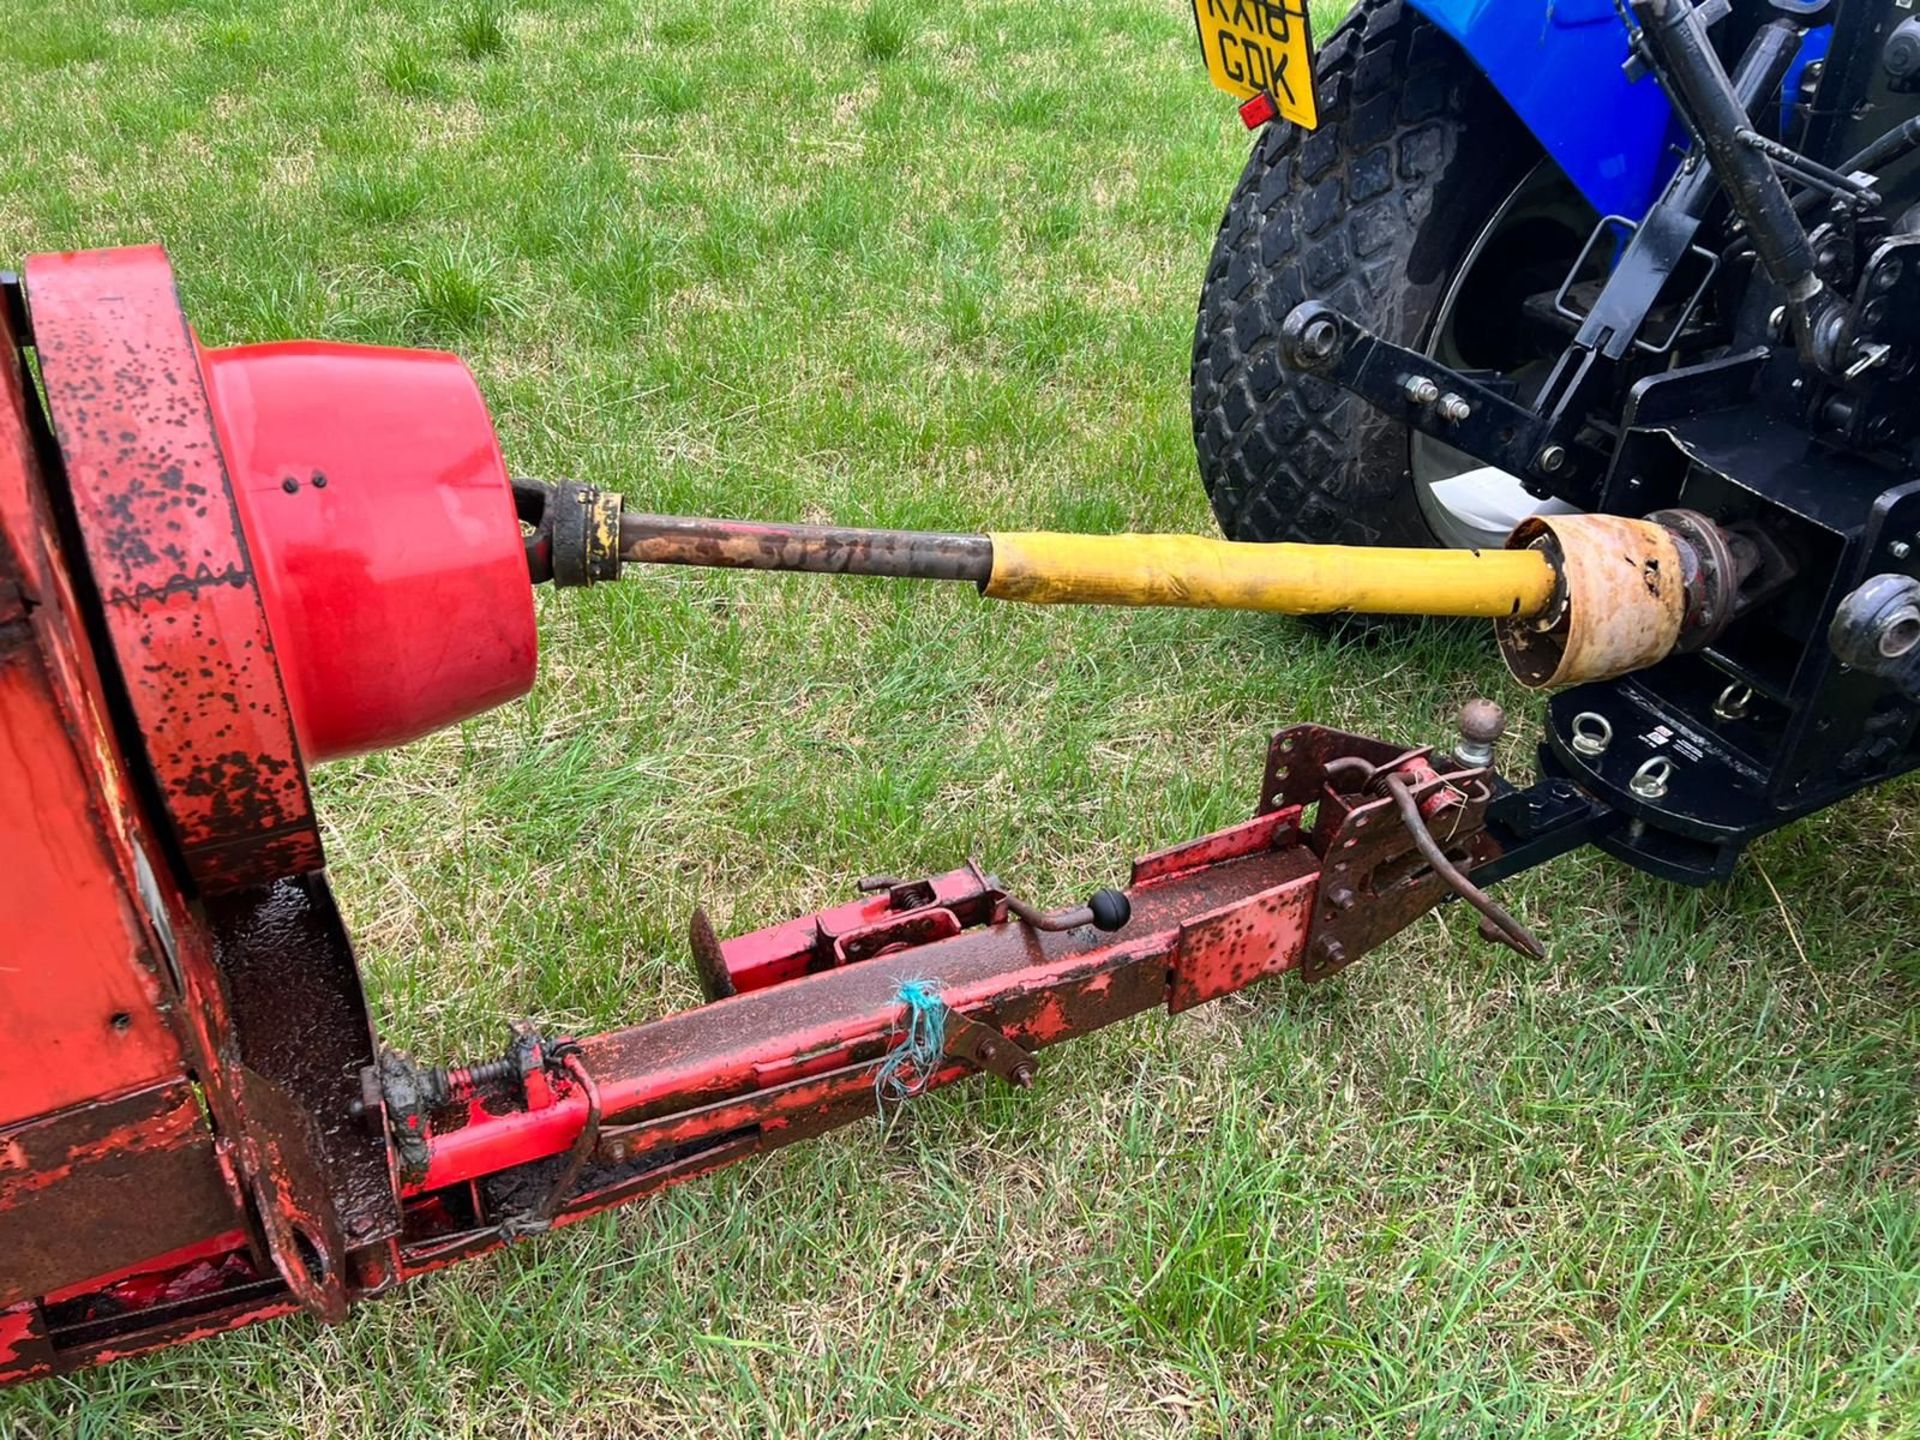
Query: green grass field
[884,261]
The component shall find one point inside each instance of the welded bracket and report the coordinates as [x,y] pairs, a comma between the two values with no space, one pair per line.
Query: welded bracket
[1426,395]
[985,1047]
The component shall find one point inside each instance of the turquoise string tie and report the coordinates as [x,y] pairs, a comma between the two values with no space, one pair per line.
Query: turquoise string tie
[916,1060]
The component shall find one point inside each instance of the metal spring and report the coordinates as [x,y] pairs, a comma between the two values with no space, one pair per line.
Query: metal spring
[460,1081]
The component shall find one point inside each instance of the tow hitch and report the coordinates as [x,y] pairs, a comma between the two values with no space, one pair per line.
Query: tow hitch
[221,566]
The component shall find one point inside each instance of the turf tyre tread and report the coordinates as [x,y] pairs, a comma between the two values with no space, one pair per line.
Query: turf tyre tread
[1370,212]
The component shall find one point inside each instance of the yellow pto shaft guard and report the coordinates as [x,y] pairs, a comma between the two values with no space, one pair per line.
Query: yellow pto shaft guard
[1575,598]
[1205,574]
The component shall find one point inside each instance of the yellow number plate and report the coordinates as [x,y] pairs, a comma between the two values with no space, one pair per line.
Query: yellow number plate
[1260,46]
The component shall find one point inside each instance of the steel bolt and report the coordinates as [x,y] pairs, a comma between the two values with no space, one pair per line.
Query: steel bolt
[1777,324]
[1899,549]
[1342,898]
[1332,952]
[1552,459]
[1422,391]
[1454,409]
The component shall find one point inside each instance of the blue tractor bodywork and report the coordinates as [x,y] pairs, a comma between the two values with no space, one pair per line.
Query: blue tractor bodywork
[1563,70]
[1560,66]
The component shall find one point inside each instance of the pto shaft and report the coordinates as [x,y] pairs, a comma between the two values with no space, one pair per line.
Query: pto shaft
[1574,598]
[1159,570]
[818,549]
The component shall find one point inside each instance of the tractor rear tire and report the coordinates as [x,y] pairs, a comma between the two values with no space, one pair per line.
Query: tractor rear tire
[1373,212]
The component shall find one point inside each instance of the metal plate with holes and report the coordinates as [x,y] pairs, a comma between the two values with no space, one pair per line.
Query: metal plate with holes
[1373,880]
[1297,762]
[165,547]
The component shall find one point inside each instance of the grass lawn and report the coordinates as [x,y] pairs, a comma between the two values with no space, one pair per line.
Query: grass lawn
[897,263]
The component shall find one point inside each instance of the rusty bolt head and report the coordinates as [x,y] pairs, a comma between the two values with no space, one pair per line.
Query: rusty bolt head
[1023,1077]
[1342,897]
[1332,952]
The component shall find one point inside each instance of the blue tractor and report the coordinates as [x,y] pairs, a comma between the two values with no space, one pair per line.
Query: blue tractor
[1647,258]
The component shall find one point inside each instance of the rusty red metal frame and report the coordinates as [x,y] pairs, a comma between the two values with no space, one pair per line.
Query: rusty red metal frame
[177,590]
[794,1053]
[186,1027]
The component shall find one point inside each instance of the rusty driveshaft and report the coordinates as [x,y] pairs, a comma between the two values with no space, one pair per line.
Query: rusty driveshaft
[1171,570]
[1576,598]
[820,549]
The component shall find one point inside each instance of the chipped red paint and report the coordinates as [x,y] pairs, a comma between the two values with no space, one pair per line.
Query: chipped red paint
[80,984]
[1263,832]
[689,1094]
[1225,952]
[191,1116]
[106,1156]
[1039,988]
[940,907]
[163,1119]
[22,1344]
[169,563]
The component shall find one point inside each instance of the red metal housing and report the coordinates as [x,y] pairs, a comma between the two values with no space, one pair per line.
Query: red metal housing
[379,515]
[217,566]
